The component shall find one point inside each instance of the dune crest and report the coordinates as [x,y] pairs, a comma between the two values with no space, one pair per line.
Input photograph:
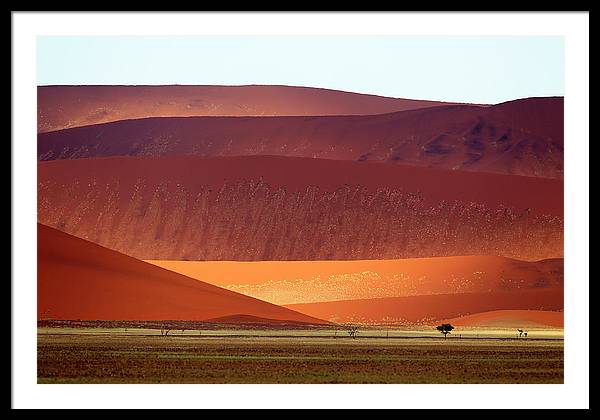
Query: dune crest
[62,107]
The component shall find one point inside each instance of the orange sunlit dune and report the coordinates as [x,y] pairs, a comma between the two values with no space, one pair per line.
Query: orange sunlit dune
[289,282]
[511,318]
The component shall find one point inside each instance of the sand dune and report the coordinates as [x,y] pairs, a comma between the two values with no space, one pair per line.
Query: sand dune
[424,310]
[289,282]
[523,137]
[79,280]
[277,208]
[61,107]
[511,318]
[249,321]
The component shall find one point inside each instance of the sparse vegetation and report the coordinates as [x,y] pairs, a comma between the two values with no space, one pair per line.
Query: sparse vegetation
[522,333]
[352,331]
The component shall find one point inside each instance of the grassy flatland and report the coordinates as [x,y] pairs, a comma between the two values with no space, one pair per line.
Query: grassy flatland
[80,355]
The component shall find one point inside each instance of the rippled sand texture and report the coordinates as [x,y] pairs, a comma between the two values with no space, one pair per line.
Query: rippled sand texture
[275,208]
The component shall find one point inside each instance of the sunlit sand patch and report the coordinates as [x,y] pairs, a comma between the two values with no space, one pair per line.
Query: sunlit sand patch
[291,282]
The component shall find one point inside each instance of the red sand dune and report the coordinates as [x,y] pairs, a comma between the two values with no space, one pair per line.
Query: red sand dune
[523,137]
[277,208]
[423,310]
[288,282]
[252,321]
[511,318]
[79,280]
[61,107]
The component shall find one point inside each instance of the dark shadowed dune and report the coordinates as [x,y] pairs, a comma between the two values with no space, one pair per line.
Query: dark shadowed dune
[523,137]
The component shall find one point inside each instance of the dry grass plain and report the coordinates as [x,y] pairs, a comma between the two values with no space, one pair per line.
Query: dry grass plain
[90,355]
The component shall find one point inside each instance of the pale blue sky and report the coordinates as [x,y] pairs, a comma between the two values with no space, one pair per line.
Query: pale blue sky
[448,68]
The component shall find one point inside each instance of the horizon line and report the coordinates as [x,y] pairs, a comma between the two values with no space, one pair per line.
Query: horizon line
[297,87]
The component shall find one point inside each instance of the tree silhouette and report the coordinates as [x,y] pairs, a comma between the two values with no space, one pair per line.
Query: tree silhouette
[352,331]
[444,329]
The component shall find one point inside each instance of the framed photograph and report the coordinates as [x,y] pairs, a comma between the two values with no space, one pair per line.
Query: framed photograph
[242,204]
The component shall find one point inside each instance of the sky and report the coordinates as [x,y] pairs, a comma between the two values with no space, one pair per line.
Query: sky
[471,69]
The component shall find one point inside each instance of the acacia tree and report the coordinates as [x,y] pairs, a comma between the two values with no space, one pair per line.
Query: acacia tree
[352,331]
[444,329]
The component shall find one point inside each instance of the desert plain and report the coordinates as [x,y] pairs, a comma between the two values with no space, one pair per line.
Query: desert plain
[119,355]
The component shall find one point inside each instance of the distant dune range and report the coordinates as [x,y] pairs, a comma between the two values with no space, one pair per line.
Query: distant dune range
[79,280]
[290,282]
[277,208]
[61,107]
[522,137]
[340,206]
[424,310]
[514,318]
